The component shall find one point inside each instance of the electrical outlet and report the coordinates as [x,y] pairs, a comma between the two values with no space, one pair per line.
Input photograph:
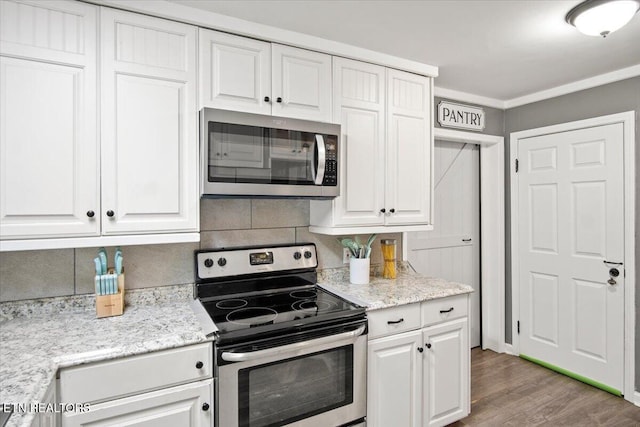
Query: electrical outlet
[346,255]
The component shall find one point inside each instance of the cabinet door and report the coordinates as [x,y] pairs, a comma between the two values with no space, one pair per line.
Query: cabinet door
[235,72]
[394,381]
[149,127]
[189,405]
[359,104]
[301,81]
[446,373]
[409,147]
[48,112]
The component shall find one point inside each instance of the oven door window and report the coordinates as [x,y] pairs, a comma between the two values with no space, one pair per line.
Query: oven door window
[285,391]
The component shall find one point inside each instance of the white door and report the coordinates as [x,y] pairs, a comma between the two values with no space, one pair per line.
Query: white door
[189,405]
[301,83]
[394,380]
[445,373]
[359,105]
[149,125]
[235,72]
[452,249]
[570,213]
[409,149]
[48,120]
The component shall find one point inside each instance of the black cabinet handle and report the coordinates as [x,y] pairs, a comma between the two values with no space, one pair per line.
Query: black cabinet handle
[267,99]
[466,240]
[394,322]
[91,214]
[199,365]
[279,99]
[420,349]
[383,210]
[110,213]
[446,311]
[428,345]
[205,406]
[392,210]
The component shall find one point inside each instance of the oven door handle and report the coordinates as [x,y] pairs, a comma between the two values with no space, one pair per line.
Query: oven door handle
[253,355]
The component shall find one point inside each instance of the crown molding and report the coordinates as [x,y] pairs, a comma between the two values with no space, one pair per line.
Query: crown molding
[588,83]
[468,97]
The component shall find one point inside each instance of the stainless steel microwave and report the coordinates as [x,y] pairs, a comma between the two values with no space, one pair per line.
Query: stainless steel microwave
[252,155]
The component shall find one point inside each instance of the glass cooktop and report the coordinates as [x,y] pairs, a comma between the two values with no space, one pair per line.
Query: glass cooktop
[277,309]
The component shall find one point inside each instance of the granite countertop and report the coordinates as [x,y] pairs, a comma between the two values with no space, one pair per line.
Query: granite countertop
[408,287]
[37,337]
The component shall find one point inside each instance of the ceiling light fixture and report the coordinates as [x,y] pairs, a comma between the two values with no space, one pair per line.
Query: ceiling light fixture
[602,17]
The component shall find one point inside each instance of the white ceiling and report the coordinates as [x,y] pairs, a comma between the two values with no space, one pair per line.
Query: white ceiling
[500,49]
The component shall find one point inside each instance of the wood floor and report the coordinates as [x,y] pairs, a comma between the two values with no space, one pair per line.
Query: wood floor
[509,391]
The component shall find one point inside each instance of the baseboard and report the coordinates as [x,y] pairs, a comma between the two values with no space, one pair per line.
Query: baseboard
[508,348]
[636,398]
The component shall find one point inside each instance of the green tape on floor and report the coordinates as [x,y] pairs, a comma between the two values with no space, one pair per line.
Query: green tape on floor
[573,375]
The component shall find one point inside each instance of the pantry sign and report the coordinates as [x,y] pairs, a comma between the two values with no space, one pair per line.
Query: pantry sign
[460,116]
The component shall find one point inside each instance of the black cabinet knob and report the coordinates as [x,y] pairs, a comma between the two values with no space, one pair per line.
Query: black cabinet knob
[222,262]
[420,349]
[383,210]
[267,99]
[297,255]
[392,210]
[279,99]
[308,254]
[199,365]
[205,406]
[110,213]
[91,214]
[208,263]
[428,345]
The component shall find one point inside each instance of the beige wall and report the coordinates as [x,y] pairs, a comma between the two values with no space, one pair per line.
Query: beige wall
[224,222]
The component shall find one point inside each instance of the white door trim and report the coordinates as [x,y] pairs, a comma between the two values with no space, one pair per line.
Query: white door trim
[628,121]
[492,229]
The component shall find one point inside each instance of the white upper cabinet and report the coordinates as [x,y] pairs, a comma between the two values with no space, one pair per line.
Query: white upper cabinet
[385,152]
[243,74]
[301,84]
[409,149]
[49,174]
[235,72]
[149,124]
[64,183]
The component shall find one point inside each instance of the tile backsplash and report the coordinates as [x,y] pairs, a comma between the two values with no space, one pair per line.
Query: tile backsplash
[223,223]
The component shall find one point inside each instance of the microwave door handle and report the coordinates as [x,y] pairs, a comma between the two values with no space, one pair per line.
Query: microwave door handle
[254,355]
[322,160]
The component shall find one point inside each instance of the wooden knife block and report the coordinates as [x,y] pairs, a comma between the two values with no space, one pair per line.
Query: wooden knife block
[111,305]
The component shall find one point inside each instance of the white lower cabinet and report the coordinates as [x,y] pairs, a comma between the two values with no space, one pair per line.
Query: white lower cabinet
[445,373]
[394,380]
[187,406]
[418,372]
[166,388]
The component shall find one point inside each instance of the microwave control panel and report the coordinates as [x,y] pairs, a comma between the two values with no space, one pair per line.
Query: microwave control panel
[331,166]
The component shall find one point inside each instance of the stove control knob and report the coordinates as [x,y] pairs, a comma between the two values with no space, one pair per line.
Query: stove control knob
[307,254]
[222,262]
[208,263]
[297,255]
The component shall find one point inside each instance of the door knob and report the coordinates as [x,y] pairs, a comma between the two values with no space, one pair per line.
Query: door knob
[614,272]
[110,213]
[420,349]
[428,345]
[266,99]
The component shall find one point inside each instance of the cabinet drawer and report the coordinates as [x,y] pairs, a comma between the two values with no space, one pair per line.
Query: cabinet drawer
[439,310]
[393,320]
[131,375]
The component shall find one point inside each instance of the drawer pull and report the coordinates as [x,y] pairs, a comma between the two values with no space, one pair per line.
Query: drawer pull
[199,365]
[428,345]
[420,349]
[205,407]
[394,322]
[446,311]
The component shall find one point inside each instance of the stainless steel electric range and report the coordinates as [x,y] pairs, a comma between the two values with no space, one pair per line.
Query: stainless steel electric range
[287,352]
